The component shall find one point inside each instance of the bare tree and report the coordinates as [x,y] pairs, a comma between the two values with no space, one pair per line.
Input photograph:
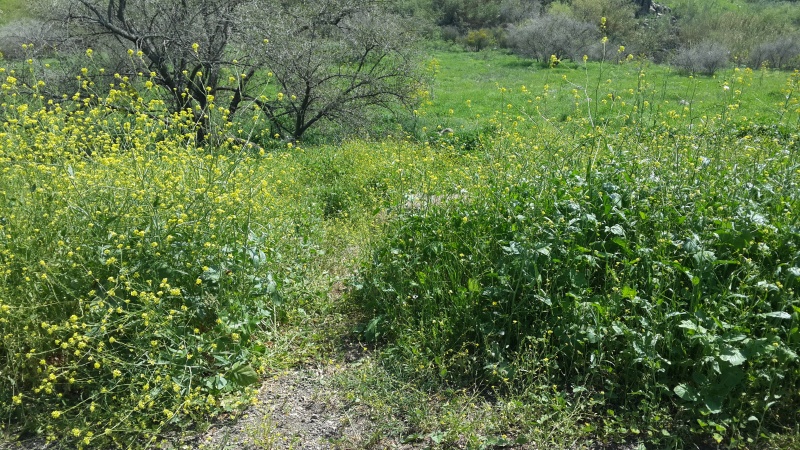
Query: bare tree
[553,34]
[183,43]
[331,59]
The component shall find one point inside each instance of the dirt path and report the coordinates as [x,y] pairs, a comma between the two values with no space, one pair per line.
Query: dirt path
[299,409]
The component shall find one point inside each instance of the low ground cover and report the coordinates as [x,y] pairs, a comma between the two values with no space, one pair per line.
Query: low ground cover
[611,249]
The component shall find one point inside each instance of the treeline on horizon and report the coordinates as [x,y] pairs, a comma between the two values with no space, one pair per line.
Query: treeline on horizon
[696,37]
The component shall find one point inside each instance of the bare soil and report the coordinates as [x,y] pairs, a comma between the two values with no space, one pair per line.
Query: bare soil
[299,409]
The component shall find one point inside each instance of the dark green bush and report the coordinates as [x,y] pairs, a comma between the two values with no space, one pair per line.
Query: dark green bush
[664,290]
[467,14]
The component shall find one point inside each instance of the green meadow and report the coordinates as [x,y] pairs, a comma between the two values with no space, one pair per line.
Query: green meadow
[11,10]
[601,253]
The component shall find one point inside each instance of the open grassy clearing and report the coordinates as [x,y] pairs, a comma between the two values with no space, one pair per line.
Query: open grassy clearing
[470,86]
[607,255]
[12,10]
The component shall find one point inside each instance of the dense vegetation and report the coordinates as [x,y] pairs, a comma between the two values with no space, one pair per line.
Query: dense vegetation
[541,252]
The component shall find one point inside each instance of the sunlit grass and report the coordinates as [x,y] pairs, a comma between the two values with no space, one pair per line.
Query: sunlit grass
[471,86]
[11,10]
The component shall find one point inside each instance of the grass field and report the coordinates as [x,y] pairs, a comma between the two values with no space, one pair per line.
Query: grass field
[482,84]
[12,10]
[601,253]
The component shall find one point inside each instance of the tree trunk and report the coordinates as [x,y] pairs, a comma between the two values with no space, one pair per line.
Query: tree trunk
[644,7]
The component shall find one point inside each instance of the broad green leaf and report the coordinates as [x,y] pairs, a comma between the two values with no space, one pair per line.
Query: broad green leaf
[789,354]
[437,437]
[733,356]
[685,392]
[714,404]
[622,244]
[777,315]
[217,382]
[242,374]
[628,292]
[616,230]
[767,287]
[689,325]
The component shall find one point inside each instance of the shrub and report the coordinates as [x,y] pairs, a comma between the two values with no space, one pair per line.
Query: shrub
[477,40]
[649,271]
[620,23]
[741,28]
[553,34]
[706,58]
[468,14]
[657,38]
[516,11]
[449,33]
[664,289]
[136,283]
[782,53]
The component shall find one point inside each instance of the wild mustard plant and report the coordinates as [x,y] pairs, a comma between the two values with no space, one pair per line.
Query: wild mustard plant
[136,267]
[146,278]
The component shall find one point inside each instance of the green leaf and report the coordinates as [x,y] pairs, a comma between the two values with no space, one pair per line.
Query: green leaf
[628,292]
[767,287]
[685,392]
[542,249]
[704,256]
[622,244]
[242,375]
[689,325]
[777,315]
[437,437]
[217,382]
[414,437]
[714,404]
[733,356]
[616,230]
